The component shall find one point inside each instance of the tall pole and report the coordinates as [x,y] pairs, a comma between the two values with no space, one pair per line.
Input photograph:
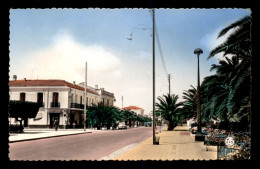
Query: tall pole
[198,90]
[122,101]
[169,76]
[154,141]
[85,93]
[198,136]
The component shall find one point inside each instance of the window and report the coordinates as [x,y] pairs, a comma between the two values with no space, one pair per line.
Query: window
[40,99]
[22,97]
[80,99]
[55,98]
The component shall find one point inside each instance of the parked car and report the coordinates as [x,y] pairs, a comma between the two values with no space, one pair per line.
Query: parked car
[148,124]
[193,130]
[122,125]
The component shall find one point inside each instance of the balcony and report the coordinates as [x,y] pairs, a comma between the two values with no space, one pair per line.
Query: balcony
[55,104]
[76,105]
[41,104]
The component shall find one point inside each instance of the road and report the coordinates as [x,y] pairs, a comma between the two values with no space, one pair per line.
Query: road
[90,146]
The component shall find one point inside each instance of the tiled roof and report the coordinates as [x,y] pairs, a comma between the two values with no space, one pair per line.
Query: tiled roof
[132,108]
[49,82]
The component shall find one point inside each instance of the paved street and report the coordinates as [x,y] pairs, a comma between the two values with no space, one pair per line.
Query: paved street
[89,146]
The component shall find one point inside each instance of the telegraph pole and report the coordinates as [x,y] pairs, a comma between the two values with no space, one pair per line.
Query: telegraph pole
[85,93]
[169,79]
[154,140]
[122,101]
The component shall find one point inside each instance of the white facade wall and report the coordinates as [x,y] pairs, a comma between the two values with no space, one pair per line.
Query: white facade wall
[66,96]
[99,98]
[92,98]
[31,95]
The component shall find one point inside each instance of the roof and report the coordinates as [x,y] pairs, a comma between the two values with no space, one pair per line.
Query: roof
[49,82]
[132,108]
[103,92]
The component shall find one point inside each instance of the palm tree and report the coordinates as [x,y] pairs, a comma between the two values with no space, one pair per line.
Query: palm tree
[235,72]
[168,107]
[215,98]
[190,103]
[239,42]
[128,116]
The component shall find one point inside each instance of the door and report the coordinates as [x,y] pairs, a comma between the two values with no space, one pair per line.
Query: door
[54,116]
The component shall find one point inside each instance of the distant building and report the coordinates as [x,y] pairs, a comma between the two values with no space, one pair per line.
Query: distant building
[137,110]
[60,100]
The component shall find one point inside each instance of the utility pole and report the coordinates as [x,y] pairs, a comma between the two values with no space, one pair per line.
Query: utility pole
[85,93]
[154,139]
[169,79]
[122,101]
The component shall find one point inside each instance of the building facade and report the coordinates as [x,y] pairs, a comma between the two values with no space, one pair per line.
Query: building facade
[59,100]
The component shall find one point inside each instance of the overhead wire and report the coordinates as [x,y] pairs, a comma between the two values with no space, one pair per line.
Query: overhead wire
[160,48]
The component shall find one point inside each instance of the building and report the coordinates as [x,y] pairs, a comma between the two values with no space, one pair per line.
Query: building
[106,97]
[137,110]
[59,100]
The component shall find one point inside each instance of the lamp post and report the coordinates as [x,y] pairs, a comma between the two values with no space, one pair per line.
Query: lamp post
[198,136]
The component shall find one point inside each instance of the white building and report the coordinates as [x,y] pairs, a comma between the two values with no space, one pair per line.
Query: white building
[60,100]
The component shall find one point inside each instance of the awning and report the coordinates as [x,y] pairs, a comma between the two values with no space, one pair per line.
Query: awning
[38,116]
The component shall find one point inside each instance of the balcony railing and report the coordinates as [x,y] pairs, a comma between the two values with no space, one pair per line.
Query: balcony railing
[55,104]
[76,105]
[41,104]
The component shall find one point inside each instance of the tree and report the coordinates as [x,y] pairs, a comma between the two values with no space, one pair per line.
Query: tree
[111,116]
[168,107]
[236,72]
[128,116]
[22,110]
[190,103]
[103,115]
[215,98]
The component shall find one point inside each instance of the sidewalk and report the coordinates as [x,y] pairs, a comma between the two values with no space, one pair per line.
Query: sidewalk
[174,145]
[33,134]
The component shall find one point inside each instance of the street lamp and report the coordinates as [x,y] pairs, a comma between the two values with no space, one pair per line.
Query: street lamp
[198,136]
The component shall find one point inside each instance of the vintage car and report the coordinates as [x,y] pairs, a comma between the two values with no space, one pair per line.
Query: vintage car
[122,125]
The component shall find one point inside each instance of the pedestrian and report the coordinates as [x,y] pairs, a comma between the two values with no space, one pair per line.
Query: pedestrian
[56,124]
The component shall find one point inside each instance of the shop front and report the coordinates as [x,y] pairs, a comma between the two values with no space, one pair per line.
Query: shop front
[54,114]
[76,119]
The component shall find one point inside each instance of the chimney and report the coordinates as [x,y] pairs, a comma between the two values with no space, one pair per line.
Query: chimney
[24,79]
[74,82]
[96,87]
[15,77]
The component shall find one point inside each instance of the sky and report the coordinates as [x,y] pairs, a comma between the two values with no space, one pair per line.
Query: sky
[56,43]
